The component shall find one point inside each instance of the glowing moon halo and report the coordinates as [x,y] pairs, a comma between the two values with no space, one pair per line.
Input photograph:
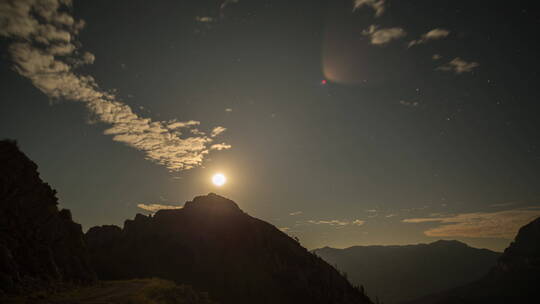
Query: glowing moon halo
[219,179]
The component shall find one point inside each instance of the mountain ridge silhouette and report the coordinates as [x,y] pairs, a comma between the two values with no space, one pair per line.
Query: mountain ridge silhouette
[213,245]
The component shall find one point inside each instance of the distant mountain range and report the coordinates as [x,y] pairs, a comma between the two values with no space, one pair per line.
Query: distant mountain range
[398,273]
[515,277]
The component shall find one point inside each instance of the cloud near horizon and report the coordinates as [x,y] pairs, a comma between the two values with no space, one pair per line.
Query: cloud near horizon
[157,207]
[501,224]
[382,36]
[44,50]
[337,222]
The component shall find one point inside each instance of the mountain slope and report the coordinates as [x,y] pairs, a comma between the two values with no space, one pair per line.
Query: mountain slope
[214,246]
[514,279]
[40,246]
[398,273]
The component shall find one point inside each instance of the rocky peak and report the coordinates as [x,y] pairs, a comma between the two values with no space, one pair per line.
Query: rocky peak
[40,246]
[524,252]
[214,246]
[212,203]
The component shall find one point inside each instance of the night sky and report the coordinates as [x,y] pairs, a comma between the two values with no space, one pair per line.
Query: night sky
[342,123]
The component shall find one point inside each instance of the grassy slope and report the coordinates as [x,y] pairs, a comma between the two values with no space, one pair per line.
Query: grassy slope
[139,291]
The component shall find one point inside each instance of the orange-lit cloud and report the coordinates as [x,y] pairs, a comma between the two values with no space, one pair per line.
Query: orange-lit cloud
[337,222]
[157,207]
[502,224]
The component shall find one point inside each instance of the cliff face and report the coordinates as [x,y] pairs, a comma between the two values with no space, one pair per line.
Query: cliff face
[39,244]
[514,278]
[214,246]
[523,255]
[399,273]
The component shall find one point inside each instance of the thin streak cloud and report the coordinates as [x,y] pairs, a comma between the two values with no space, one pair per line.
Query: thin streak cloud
[157,207]
[434,34]
[356,222]
[502,224]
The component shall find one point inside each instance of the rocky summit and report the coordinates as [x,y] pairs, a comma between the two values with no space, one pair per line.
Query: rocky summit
[216,247]
[40,246]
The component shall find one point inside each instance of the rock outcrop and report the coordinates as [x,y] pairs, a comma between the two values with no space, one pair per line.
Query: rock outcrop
[40,246]
[214,246]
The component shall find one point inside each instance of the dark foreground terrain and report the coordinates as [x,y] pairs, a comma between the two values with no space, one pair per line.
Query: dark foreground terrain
[139,291]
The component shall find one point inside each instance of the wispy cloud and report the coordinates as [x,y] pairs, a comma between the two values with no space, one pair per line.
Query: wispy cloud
[377,5]
[434,34]
[502,224]
[157,207]
[458,66]
[295,213]
[44,50]
[219,147]
[227,2]
[382,36]
[358,222]
[329,222]
[337,222]
[436,57]
[217,130]
[204,19]
[412,104]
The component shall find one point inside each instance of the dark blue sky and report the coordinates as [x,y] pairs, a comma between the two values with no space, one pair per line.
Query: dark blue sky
[402,145]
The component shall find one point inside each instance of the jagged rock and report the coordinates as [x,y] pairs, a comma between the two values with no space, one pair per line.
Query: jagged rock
[39,245]
[214,246]
[524,252]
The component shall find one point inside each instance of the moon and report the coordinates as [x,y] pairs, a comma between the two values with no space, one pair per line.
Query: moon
[219,179]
